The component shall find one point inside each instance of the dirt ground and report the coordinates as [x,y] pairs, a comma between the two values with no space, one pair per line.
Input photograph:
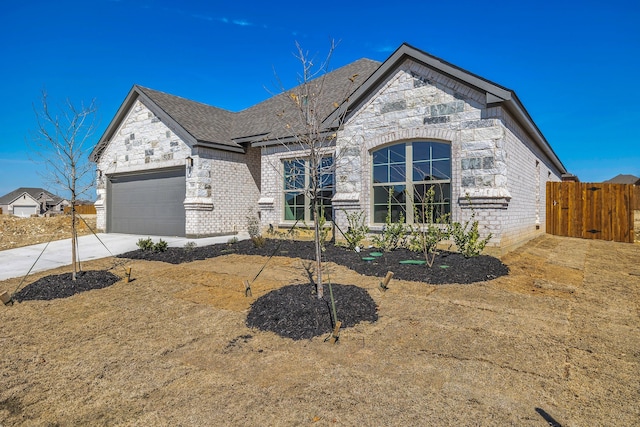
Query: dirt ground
[556,340]
[16,232]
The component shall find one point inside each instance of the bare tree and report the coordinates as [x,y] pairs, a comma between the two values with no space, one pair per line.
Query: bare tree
[60,140]
[305,134]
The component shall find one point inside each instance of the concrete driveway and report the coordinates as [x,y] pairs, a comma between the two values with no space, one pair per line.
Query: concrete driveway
[46,256]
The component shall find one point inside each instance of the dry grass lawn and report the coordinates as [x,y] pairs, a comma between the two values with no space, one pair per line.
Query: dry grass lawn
[559,334]
[16,232]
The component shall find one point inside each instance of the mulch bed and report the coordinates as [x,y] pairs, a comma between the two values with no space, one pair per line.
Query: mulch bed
[296,312]
[448,267]
[61,285]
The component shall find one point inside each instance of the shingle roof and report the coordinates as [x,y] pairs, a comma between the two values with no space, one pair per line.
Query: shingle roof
[624,179]
[261,118]
[32,191]
[204,122]
[212,126]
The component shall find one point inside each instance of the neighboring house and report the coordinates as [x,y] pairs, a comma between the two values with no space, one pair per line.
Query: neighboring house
[27,201]
[19,203]
[170,166]
[623,179]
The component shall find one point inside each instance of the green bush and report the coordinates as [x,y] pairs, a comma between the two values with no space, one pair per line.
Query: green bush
[161,246]
[466,239]
[357,230]
[393,234]
[145,244]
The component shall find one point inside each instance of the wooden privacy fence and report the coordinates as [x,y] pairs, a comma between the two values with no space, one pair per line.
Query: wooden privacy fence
[592,211]
[82,209]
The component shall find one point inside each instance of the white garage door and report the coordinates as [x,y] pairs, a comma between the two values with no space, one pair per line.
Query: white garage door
[148,203]
[24,211]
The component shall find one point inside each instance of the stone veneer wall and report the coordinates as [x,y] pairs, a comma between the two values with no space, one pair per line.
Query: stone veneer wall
[141,143]
[221,187]
[488,161]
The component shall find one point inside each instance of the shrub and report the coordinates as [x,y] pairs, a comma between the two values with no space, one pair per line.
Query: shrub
[145,244]
[357,230]
[232,240]
[466,239]
[258,241]
[393,234]
[189,246]
[161,246]
[253,225]
[425,237]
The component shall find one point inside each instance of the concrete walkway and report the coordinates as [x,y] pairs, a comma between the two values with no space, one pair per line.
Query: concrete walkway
[17,262]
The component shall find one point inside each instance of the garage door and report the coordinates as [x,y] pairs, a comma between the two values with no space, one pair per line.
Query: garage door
[148,203]
[24,211]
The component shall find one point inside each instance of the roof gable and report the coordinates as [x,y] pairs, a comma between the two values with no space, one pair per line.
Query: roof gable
[11,197]
[495,94]
[624,179]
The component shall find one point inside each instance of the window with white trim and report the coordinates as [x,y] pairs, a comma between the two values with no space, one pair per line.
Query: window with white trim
[299,185]
[403,175]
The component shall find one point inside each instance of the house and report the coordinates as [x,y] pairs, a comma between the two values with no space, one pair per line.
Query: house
[27,201]
[170,166]
[624,179]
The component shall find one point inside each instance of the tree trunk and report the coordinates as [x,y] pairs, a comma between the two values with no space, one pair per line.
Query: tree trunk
[317,236]
[73,241]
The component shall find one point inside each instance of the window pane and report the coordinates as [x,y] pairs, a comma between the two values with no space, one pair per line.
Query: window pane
[421,151]
[397,173]
[396,153]
[381,156]
[294,206]
[380,173]
[379,213]
[294,172]
[421,171]
[441,169]
[440,151]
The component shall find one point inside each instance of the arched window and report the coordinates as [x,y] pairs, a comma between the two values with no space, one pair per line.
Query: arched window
[412,180]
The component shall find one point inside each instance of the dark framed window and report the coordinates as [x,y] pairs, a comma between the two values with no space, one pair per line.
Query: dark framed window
[299,185]
[411,180]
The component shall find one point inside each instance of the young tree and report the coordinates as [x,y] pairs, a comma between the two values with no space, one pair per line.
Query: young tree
[310,139]
[60,140]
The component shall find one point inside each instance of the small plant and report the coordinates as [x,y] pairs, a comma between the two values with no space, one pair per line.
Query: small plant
[258,241]
[425,237]
[357,230]
[325,232]
[161,246]
[253,225]
[145,244]
[393,234]
[466,239]
[232,240]
[189,246]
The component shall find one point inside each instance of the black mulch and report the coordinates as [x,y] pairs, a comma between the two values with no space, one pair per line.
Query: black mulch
[295,311]
[449,267]
[61,285]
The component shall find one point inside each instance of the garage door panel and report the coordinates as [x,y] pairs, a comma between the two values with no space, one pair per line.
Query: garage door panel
[149,203]
[24,211]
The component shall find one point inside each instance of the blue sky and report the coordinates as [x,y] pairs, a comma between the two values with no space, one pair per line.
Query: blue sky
[573,64]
